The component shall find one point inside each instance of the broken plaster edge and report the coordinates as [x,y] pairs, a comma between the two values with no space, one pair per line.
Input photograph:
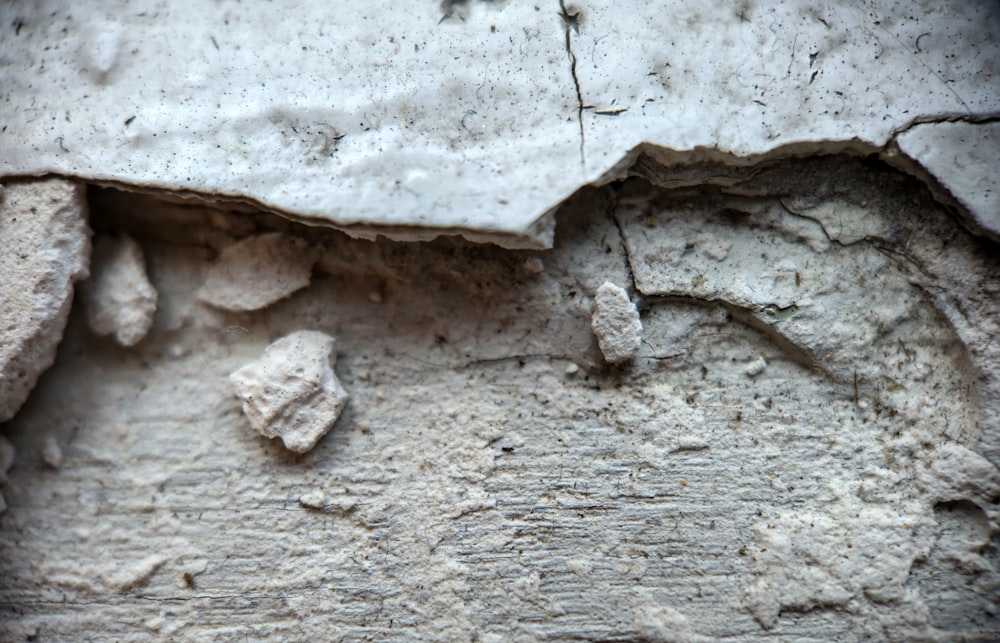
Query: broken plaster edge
[717,165]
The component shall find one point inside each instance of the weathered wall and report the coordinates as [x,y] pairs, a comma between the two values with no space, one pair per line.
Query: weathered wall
[492,479]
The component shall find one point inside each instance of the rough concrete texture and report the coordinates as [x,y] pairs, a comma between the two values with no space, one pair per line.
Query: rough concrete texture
[473,117]
[45,249]
[493,479]
[292,392]
[118,297]
[256,272]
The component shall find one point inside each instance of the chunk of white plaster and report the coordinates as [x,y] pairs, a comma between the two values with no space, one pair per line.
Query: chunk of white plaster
[661,624]
[292,392]
[964,158]
[616,323]
[118,297]
[258,271]
[51,452]
[137,574]
[534,265]
[755,367]
[313,499]
[45,248]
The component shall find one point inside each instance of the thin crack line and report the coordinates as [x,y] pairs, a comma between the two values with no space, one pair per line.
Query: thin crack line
[570,20]
[982,118]
[616,200]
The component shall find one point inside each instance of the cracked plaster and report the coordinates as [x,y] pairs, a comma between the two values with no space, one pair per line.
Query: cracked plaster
[476,117]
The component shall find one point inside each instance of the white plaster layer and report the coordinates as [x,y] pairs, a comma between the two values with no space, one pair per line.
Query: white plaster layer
[257,271]
[45,249]
[292,392]
[411,123]
[118,297]
[964,159]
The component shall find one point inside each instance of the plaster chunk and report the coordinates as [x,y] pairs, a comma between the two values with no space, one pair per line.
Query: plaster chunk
[755,367]
[51,452]
[313,499]
[138,574]
[258,271]
[119,298]
[963,158]
[616,323]
[292,392]
[45,250]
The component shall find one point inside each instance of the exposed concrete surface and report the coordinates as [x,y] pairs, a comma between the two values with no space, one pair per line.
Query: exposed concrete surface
[492,479]
[44,250]
[292,392]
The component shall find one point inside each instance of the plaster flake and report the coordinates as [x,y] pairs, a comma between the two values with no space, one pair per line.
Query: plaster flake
[964,159]
[258,271]
[119,298]
[616,323]
[45,250]
[292,392]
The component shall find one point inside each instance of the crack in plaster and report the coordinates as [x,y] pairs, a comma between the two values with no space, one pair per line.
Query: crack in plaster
[572,21]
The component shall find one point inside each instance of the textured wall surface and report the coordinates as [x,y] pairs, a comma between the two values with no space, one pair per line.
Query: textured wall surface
[804,447]
[798,202]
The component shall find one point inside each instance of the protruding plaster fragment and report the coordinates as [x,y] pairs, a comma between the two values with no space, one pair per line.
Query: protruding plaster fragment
[616,323]
[118,297]
[258,271]
[534,265]
[755,367]
[51,452]
[963,158]
[292,392]
[45,248]
[313,499]
[138,574]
